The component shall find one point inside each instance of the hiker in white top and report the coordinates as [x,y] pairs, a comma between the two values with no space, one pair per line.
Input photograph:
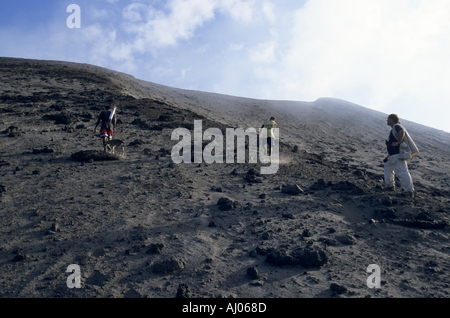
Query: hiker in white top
[394,165]
[268,133]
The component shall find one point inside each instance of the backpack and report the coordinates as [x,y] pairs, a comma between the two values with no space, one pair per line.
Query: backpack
[109,124]
[111,116]
[408,148]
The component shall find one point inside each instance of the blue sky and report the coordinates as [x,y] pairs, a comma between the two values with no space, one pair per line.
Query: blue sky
[391,56]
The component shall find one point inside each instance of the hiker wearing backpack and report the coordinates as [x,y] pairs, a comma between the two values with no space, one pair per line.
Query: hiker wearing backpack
[108,120]
[401,148]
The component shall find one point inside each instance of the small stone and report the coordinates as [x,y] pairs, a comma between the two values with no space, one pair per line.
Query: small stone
[55,227]
[253,272]
[183,291]
[226,204]
[347,239]
[20,258]
[292,189]
[171,265]
[155,248]
[132,294]
[339,289]
[266,236]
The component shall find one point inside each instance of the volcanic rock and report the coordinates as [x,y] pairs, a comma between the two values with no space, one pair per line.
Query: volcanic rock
[4,163]
[86,155]
[183,291]
[44,150]
[339,289]
[62,118]
[137,142]
[346,239]
[20,258]
[385,214]
[171,265]
[253,176]
[155,248]
[133,294]
[292,189]
[97,279]
[226,204]
[253,272]
[307,258]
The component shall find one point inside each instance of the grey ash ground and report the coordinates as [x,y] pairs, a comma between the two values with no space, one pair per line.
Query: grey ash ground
[139,225]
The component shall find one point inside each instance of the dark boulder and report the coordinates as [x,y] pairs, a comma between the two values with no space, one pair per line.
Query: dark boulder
[338,289]
[13,132]
[183,291]
[253,176]
[292,189]
[226,204]
[87,155]
[44,150]
[62,118]
[137,142]
[387,214]
[253,272]
[155,248]
[347,239]
[307,258]
[171,265]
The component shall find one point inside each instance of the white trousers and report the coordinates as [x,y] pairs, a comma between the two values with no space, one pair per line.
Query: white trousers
[393,167]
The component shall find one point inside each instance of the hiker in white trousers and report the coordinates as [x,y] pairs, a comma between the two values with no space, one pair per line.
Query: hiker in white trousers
[393,165]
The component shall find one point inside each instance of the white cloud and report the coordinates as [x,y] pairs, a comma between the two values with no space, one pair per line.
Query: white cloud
[264,53]
[269,11]
[383,54]
[133,12]
[235,47]
[155,28]
[242,11]
[98,14]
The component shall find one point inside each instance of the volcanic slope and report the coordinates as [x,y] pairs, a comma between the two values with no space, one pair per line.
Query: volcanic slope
[142,226]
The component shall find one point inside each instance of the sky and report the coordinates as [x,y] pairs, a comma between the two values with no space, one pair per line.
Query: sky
[390,56]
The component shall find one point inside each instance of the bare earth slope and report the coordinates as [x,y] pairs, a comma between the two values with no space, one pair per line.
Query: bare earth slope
[141,226]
